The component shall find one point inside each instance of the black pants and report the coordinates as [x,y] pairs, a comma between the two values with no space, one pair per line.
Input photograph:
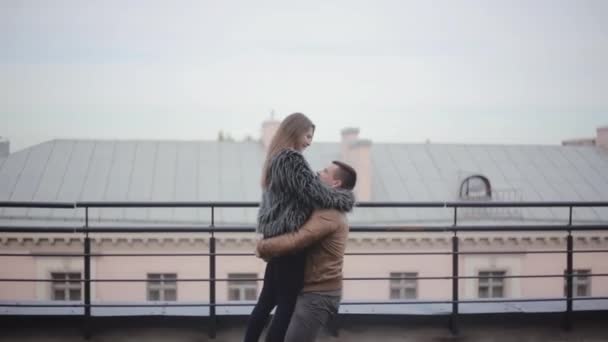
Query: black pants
[283,281]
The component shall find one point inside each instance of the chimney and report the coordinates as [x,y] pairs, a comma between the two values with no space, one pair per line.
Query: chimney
[269,128]
[360,152]
[349,135]
[602,137]
[357,153]
[5,147]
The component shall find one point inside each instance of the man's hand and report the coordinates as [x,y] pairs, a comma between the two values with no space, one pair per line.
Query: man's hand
[258,237]
[257,251]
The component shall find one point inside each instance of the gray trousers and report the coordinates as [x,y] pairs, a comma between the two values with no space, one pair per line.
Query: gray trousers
[313,310]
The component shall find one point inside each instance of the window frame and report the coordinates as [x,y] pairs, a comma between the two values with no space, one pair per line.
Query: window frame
[580,277]
[492,283]
[465,188]
[66,281]
[403,285]
[237,282]
[163,283]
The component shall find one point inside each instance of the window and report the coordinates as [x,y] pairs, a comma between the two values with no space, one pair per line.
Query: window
[239,288]
[581,283]
[491,284]
[66,286]
[162,286]
[403,288]
[476,187]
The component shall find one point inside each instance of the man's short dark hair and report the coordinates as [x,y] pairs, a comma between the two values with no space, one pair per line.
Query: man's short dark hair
[346,174]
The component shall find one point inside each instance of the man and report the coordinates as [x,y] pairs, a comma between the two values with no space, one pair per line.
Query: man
[324,234]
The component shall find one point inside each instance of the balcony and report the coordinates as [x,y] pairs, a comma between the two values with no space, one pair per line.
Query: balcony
[471,301]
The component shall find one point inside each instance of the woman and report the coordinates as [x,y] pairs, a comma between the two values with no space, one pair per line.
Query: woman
[290,192]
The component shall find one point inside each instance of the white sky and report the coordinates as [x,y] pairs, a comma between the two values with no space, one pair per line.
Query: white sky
[449,71]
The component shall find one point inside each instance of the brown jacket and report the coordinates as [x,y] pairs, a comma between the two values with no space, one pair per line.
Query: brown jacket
[325,233]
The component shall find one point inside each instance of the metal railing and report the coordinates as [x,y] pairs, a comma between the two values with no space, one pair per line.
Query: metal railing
[212,254]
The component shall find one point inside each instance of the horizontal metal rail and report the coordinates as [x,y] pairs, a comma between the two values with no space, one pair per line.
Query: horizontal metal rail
[393,302]
[253,254]
[356,229]
[119,280]
[253,204]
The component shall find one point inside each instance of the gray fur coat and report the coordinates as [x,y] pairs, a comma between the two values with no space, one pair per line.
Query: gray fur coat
[293,192]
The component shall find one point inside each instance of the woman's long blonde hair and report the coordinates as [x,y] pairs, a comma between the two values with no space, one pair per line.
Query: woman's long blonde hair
[290,130]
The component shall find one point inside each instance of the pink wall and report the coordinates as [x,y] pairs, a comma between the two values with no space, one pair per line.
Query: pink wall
[544,264]
[382,266]
[354,266]
[556,264]
[17,267]
[234,264]
[139,267]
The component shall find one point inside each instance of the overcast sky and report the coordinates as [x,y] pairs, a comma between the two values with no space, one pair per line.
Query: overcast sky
[448,71]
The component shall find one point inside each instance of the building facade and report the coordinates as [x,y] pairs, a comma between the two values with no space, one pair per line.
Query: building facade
[90,170]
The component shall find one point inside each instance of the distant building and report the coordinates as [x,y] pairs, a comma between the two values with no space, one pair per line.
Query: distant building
[131,170]
[600,140]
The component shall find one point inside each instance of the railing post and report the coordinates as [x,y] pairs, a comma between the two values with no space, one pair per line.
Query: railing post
[567,324]
[212,315]
[454,316]
[87,277]
[455,255]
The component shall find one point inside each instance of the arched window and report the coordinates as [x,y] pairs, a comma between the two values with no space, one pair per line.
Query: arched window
[476,187]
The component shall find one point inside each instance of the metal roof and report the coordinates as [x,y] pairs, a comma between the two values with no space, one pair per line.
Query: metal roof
[96,170]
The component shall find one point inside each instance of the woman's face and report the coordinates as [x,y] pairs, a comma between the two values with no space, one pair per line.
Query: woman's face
[305,140]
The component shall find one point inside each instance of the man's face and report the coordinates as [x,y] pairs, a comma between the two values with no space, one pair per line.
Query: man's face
[327,176]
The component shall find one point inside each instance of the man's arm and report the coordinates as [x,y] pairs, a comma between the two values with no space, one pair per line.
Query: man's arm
[315,229]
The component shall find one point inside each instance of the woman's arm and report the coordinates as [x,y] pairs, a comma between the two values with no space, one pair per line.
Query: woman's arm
[290,174]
